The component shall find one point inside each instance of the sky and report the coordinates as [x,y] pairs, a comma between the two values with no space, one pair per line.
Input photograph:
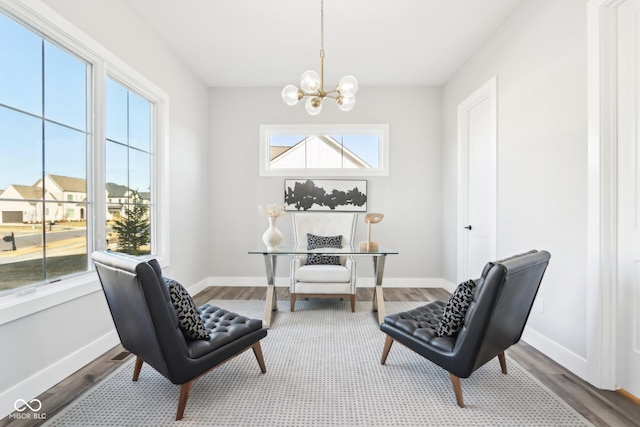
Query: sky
[43,115]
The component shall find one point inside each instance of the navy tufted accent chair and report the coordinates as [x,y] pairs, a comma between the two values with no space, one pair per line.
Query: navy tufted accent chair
[495,320]
[147,324]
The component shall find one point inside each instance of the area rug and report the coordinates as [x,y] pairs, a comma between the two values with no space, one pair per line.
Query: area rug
[323,369]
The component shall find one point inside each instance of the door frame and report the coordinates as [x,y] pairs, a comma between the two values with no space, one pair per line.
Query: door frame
[602,205]
[484,92]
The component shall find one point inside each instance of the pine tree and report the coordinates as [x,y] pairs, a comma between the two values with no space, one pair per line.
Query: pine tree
[133,227]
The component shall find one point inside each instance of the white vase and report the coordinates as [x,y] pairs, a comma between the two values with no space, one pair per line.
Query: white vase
[272,237]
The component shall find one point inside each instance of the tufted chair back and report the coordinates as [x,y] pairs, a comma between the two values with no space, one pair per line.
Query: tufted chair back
[501,303]
[337,281]
[141,309]
[148,326]
[324,224]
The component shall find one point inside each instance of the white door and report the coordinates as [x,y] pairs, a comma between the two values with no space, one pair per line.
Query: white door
[477,141]
[628,322]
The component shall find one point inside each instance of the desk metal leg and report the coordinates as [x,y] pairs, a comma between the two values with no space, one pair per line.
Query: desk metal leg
[271,304]
[378,297]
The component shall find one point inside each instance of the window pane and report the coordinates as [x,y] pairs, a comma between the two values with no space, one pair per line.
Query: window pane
[65,159]
[21,251]
[364,148]
[319,151]
[21,69]
[65,88]
[287,151]
[140,172]
[20,149]
[323,152]
[116,165]
[66,239]
[116,120]
[139,122]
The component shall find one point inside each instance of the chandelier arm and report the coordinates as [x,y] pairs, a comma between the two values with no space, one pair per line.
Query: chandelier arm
[317,93]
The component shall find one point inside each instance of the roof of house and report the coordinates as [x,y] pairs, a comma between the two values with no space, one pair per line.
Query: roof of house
[67,183]
[28,191]
[278,151]
[116,190]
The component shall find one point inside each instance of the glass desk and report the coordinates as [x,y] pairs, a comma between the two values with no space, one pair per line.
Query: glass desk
[270,261]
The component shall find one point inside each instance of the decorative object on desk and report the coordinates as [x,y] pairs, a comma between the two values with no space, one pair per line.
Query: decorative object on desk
[333,195]
[370,218]
[272,237]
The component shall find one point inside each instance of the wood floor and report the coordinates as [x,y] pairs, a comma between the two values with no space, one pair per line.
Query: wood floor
[601,407]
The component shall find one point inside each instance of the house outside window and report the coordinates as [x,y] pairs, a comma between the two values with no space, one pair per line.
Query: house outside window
[324,150]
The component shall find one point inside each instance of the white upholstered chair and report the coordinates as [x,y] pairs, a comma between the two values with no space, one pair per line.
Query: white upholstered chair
[323,281]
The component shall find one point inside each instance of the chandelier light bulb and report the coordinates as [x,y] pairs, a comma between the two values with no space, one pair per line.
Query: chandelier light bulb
[346,102]
[348,85]
[291,95]
[310,81]
[313,105]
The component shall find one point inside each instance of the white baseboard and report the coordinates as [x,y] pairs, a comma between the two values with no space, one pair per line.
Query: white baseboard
[200,286]
[558,353]
[362,282]
[40,382]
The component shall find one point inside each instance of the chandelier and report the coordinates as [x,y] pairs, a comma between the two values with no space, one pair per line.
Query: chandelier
[312,85]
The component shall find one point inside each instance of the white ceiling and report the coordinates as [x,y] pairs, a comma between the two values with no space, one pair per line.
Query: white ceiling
[245,43]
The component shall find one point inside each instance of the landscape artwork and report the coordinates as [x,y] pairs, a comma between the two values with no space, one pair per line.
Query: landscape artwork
[325,195]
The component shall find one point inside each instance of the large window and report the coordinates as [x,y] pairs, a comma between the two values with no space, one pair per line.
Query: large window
[43,158]
[128,170]
[68,185]
[325,150]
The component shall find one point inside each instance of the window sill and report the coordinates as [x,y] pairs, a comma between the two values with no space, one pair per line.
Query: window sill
[18,305]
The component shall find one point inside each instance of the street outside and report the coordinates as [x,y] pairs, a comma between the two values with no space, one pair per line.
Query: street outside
[66,253]
[62,239]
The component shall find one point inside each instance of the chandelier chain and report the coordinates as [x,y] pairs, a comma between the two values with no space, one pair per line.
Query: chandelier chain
[322,28]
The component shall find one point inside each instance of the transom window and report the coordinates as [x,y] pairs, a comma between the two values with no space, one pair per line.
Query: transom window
[325,150]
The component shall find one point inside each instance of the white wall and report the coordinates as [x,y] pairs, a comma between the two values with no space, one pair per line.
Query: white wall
[539,57]
[410,197]
[41,349]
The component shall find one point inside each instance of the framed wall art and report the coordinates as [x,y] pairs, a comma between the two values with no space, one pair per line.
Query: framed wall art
[345,195]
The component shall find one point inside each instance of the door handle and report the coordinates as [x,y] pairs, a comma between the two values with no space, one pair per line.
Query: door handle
[468,227]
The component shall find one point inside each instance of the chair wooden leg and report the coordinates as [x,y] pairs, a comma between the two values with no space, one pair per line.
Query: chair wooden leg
[293,302]
[257,350]
[503,362]
[457,389]
[353,303]
[182,401]
[137,368]
[385,351]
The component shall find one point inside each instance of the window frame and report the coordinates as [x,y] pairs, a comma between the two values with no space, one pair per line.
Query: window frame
[44,22]
[381,130]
